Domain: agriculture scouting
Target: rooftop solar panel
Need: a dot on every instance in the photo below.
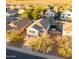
(45, 23)
(38, 27)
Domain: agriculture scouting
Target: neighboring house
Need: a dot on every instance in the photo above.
(10, 19)
(50, 14)
(37, 28)
(67, 29)
(19, 24)
(12, 11)
(66, 15)
(55, 29)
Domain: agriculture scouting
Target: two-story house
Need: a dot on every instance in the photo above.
(66, 15)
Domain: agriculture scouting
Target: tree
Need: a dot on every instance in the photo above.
(64, 47)
(27, 14)
(30, 13)
(36, 13)
(51, 6)
(41, 44)
(43, 8)
(14, 37)
(24, 14)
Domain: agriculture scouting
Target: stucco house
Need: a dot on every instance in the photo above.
(37, 28)
(66, 15)
(50, 14)
(10, 19)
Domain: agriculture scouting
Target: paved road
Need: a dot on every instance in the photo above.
(18, 55)
(26, 53)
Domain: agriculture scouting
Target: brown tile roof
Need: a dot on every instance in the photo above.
(21, 23)
(37, 23)
(8, 27)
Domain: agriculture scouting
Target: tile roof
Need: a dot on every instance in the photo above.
(21, 23)
(38, 22)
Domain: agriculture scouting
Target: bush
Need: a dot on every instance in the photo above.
(41, 44)
(14, 37)
(36, 12)
(64, 47)
(27, 14)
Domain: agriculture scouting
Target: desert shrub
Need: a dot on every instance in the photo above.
(14, 37)
(64, 47)
(27, 14)
(41, 44)
(36, 12)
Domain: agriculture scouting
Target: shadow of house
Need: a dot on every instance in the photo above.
(55, 29)
(61, 27)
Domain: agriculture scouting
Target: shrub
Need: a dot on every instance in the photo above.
(14, 37)
(64, 46)
(36, 13)
(41, 44)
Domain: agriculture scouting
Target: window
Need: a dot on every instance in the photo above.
(51, 14)
(68, 14)
(62, 16)
(31, 31)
